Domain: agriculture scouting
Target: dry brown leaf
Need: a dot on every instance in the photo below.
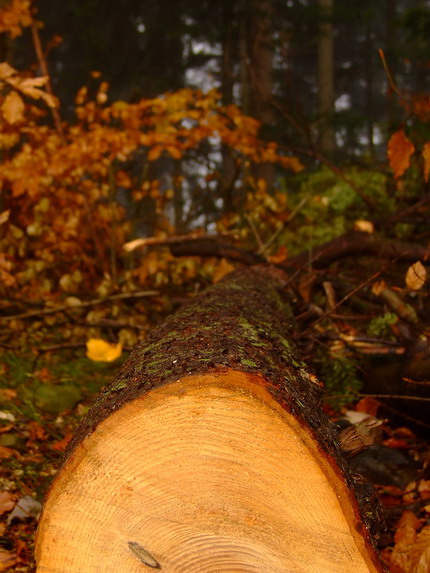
(7, 560)
(7, 394)
(426, 157)
(6, 453)
(378, 287)
(420, 552)
(37, 432)
(400, 149)
(13, 108)
(402, 558)
(7, 501)
(415, 276)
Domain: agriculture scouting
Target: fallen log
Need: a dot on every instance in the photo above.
(210, 452)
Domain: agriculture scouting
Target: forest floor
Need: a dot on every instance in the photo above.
(36, 425)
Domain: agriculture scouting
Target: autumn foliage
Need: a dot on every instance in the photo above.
(65, 188)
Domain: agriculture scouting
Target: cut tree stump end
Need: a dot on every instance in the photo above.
(207, 474)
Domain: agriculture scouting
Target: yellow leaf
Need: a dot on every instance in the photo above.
(400, 149)
(101, 351)
(364, 226)
(31, 88)
(415, 276)
(426, 157)
(6, 71)
(13, 108)
(4, 216)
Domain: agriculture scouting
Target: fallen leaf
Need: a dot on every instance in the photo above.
(364, 226)
(426, 157)
(396, 444)
(7, 394)
(420, 552)
(7, 560)
(415, 276)
(368, 406)
(61, 445)
(101, 351)
(37, 432)
(280, 256)
(7, 501)
(6, 453)
(407, 529)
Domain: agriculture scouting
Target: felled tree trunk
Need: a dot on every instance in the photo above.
(210, 453)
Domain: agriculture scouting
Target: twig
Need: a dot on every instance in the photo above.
(283, 226)
(395, 397)
(84, 304)
(389, 76)
(171, 240)
(345, 298)
(44, 69)
(256, 234)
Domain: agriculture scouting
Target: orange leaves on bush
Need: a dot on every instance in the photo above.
(400, 149)
(63, 191)
(31, 88)
(13, 108)
(14, 17)
(426, 157)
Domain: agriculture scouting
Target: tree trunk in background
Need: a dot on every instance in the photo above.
(327, 139)
(162, 62)
(230, 49)
(390, 50)
(369, 79)
(260, 53)
(210, 452)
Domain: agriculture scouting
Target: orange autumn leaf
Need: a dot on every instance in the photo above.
(61, 445)
(37, 432)
(6, 453)
(155, 153)
(400, 149)
(13, 108)
(174, 152)
(426, 157)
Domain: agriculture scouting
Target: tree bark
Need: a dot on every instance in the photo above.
(326, 77)
(210, 452)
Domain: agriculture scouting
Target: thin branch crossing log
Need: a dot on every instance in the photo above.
(210, 453)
